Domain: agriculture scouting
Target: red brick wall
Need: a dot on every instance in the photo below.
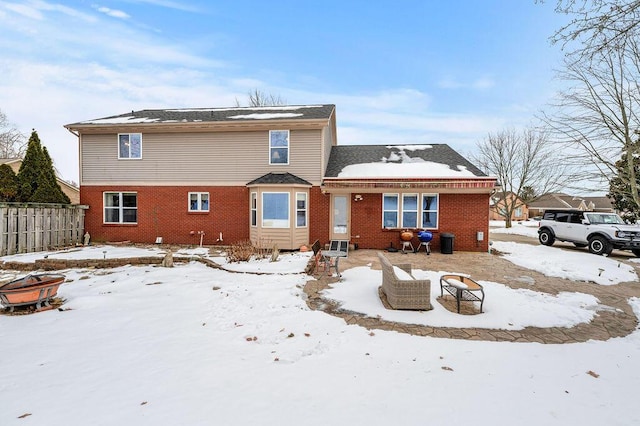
(460, 214)
(162, 212)
(464, 215)
(319, 205)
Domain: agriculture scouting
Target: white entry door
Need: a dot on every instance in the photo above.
(340, 217)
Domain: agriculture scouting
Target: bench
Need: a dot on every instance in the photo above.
(401, 289)
(462, 288)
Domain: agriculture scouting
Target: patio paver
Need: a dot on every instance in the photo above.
(618, 321)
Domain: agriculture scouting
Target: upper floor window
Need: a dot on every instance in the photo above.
(129, 145)
(198, 201)
(120, 207)
(278, 147)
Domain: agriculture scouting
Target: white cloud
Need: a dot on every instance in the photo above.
(71, 76)
(171, 5)
(481, 83)
(114, 13)
(24, 10)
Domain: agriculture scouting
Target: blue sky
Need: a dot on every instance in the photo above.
(398, 71)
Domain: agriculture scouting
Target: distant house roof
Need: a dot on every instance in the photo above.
(399, 161)
(208, 115)
(278, 178)
(564, 201)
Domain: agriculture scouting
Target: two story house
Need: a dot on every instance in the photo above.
(272, 175)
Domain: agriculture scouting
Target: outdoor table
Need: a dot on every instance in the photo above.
(331, 259)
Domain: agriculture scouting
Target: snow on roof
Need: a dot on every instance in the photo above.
(122, 120)
(400, 165)
(266, 116)
(410, 147)
(262, 108)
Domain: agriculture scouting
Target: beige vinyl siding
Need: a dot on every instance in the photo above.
(284, 239)
(187, 158)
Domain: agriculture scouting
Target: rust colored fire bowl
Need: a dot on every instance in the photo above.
(32, 289)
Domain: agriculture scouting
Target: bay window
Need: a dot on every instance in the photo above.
(301, 209)
(275, 209)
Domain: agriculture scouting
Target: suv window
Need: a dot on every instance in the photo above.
(608, 218)
(576, 218)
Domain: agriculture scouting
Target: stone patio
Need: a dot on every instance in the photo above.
(617, 322)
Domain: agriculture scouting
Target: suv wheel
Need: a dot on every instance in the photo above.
(600, 246)
(546, 237)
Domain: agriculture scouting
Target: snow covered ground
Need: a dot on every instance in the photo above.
(192, 345)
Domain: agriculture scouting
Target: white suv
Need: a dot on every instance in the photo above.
(601, 232)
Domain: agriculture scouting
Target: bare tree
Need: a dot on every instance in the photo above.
(597, 117)
(12, 143)
(597, 25)
(258, 98)
(523, 162)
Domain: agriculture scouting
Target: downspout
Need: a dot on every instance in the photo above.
(79, 154)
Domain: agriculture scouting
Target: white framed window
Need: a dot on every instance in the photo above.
(198, 201)
(409, 210)
(275, 210)
(390, 210)
(120, 207)
(278, 147)
(129, 146)
(301, 209)
(518, 212)
(412, 211)
(254, 209)
(429, 209)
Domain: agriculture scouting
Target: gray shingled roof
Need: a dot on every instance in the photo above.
(345, 155)
(279, 178)
(561, 200)
(190, 115)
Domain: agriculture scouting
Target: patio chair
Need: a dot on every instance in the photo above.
(331, 257)
(317, 256)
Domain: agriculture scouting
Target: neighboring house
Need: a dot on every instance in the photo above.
(72, 191)
(560, 200)
(272, 175)
(497, 207)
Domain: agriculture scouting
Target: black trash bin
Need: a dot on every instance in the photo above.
(446, 243)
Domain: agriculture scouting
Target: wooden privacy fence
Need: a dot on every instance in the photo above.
(33, 227)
